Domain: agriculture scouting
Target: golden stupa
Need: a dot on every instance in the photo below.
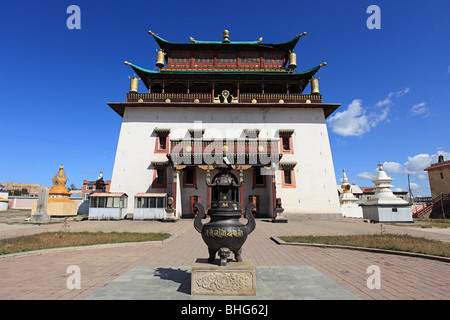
(59, 204)
(58, 192)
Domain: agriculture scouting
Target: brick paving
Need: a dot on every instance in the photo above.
(44, 275)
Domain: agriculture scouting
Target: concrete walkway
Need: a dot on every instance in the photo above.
(45, 275)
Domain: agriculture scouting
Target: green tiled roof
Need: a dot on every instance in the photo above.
(236, 45)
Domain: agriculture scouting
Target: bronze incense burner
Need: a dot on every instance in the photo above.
(224, 233)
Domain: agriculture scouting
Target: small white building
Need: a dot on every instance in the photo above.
(384, 206)
(150, 206)
(108, 206)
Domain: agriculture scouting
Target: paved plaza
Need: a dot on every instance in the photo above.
(161, 270)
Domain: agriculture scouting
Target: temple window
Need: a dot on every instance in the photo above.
(159, 178)
(259, 180)
(162, 140)
(226, 59)
(250, 60)
(203, 59)
(286, 141)
(190, 180)
(288, 180)
(273, 60)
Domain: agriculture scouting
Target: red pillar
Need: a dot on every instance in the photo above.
(175, 191)
(241, 189)
(274, 195)
(208, 190)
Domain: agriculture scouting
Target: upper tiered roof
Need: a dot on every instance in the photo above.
(226, 44)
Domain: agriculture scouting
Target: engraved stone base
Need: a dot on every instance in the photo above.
(234, 279)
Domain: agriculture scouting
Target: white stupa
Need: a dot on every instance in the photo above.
(384, 205)
(349, 205)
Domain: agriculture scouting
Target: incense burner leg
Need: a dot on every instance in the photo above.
(237, 254)
(212, 255)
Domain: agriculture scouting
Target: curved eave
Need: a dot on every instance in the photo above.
(225, 45)
(148, 75)
(145, 72)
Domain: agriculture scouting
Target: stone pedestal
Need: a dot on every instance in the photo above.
(279, 218)
(234, 279)
(169, 216)
(41, 215)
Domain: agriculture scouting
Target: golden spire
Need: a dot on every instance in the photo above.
(59, 182)
(226, 35)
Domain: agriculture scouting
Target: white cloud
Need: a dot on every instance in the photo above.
(422, 177)
(402, 92)
(355, 121)
(392, 167)
(397, 189)
(415, 188)
(417, 163)
(420, 109)
(366, 175)
(350, 122)
(386, 101)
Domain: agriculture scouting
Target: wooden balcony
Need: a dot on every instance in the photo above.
(276, 97)
(207, 97)
(232, 146)
(238, 151)
(173, 97)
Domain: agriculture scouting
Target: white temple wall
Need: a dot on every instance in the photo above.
(315, 191)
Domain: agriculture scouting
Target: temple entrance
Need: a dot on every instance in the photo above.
(258, 189)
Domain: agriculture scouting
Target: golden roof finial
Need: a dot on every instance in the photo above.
(259, 40)
(226, 35)
(380, 165)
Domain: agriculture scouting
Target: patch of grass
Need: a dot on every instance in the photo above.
(397, 242)
(48, 240)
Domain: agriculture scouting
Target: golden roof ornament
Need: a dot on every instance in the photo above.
(292, 60)
(226, 35)
(134, 84)
(160, 58)
(315, 86)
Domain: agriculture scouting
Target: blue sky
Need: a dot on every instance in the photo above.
(393, 82)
